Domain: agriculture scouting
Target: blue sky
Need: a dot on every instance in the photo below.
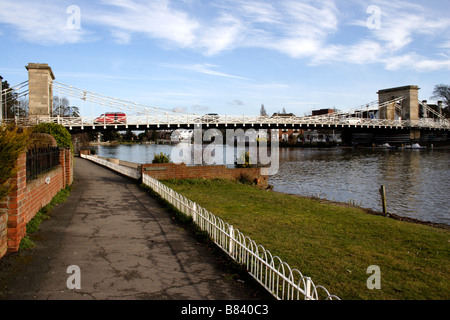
(231, 56)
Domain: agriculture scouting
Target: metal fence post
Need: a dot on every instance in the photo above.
(194, 212)
(231, 244)
(308, 289)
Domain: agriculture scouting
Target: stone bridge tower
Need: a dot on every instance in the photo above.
(40, 84)
(409, 106)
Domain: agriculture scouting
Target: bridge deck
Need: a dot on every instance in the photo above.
(191, 122)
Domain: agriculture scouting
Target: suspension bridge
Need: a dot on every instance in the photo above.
(401, 110)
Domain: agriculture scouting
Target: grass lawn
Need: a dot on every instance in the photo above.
(333, 244)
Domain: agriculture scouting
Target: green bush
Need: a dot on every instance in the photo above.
(58, 131)
(13, 142)
(161, 158)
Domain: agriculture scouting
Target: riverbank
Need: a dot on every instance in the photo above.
(373, 212)
(334, 244)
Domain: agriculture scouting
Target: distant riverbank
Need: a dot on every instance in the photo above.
(116, 143)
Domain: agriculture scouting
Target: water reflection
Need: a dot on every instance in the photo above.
(417, 181)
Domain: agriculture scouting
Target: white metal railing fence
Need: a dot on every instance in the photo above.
(276, 276)
(177, 121)
(271, 272)
(127, 171)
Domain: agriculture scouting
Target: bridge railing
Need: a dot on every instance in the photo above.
(174, 121)
(226, 120)
(276, 276)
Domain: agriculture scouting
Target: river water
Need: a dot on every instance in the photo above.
(417, 181)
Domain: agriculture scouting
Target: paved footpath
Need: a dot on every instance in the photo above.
(125, 244)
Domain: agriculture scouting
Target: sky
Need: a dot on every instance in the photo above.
(231, 56)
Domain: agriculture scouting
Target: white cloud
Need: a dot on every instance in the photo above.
(294, 28)
(445, 45)
(155, 19)
(203, 68)
(42, 23)
(121, 37)
(400, 26)
(306, 19)
(414, 61)
(363, 52)
(402, 22)
(225, 34)
(260, 12)
(302, 29)
(406, 28)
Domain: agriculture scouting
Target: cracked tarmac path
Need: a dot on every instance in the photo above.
(126, 246)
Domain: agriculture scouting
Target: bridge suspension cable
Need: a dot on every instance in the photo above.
(111, 101)
(432, 111)
(16, 92)
(371, 106)
(13, 94)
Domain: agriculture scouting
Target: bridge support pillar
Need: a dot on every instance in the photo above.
(40, 84)
(414, 135)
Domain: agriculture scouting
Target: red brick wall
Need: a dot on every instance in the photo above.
(26, 199)
(165, 171)
(3, 229)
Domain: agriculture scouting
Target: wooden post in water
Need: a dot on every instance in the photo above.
(383, 199)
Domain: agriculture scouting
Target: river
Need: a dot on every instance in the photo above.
(417, 181)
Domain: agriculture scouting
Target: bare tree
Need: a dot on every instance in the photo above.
(9, 101)
(61, 107)
(442, 92)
